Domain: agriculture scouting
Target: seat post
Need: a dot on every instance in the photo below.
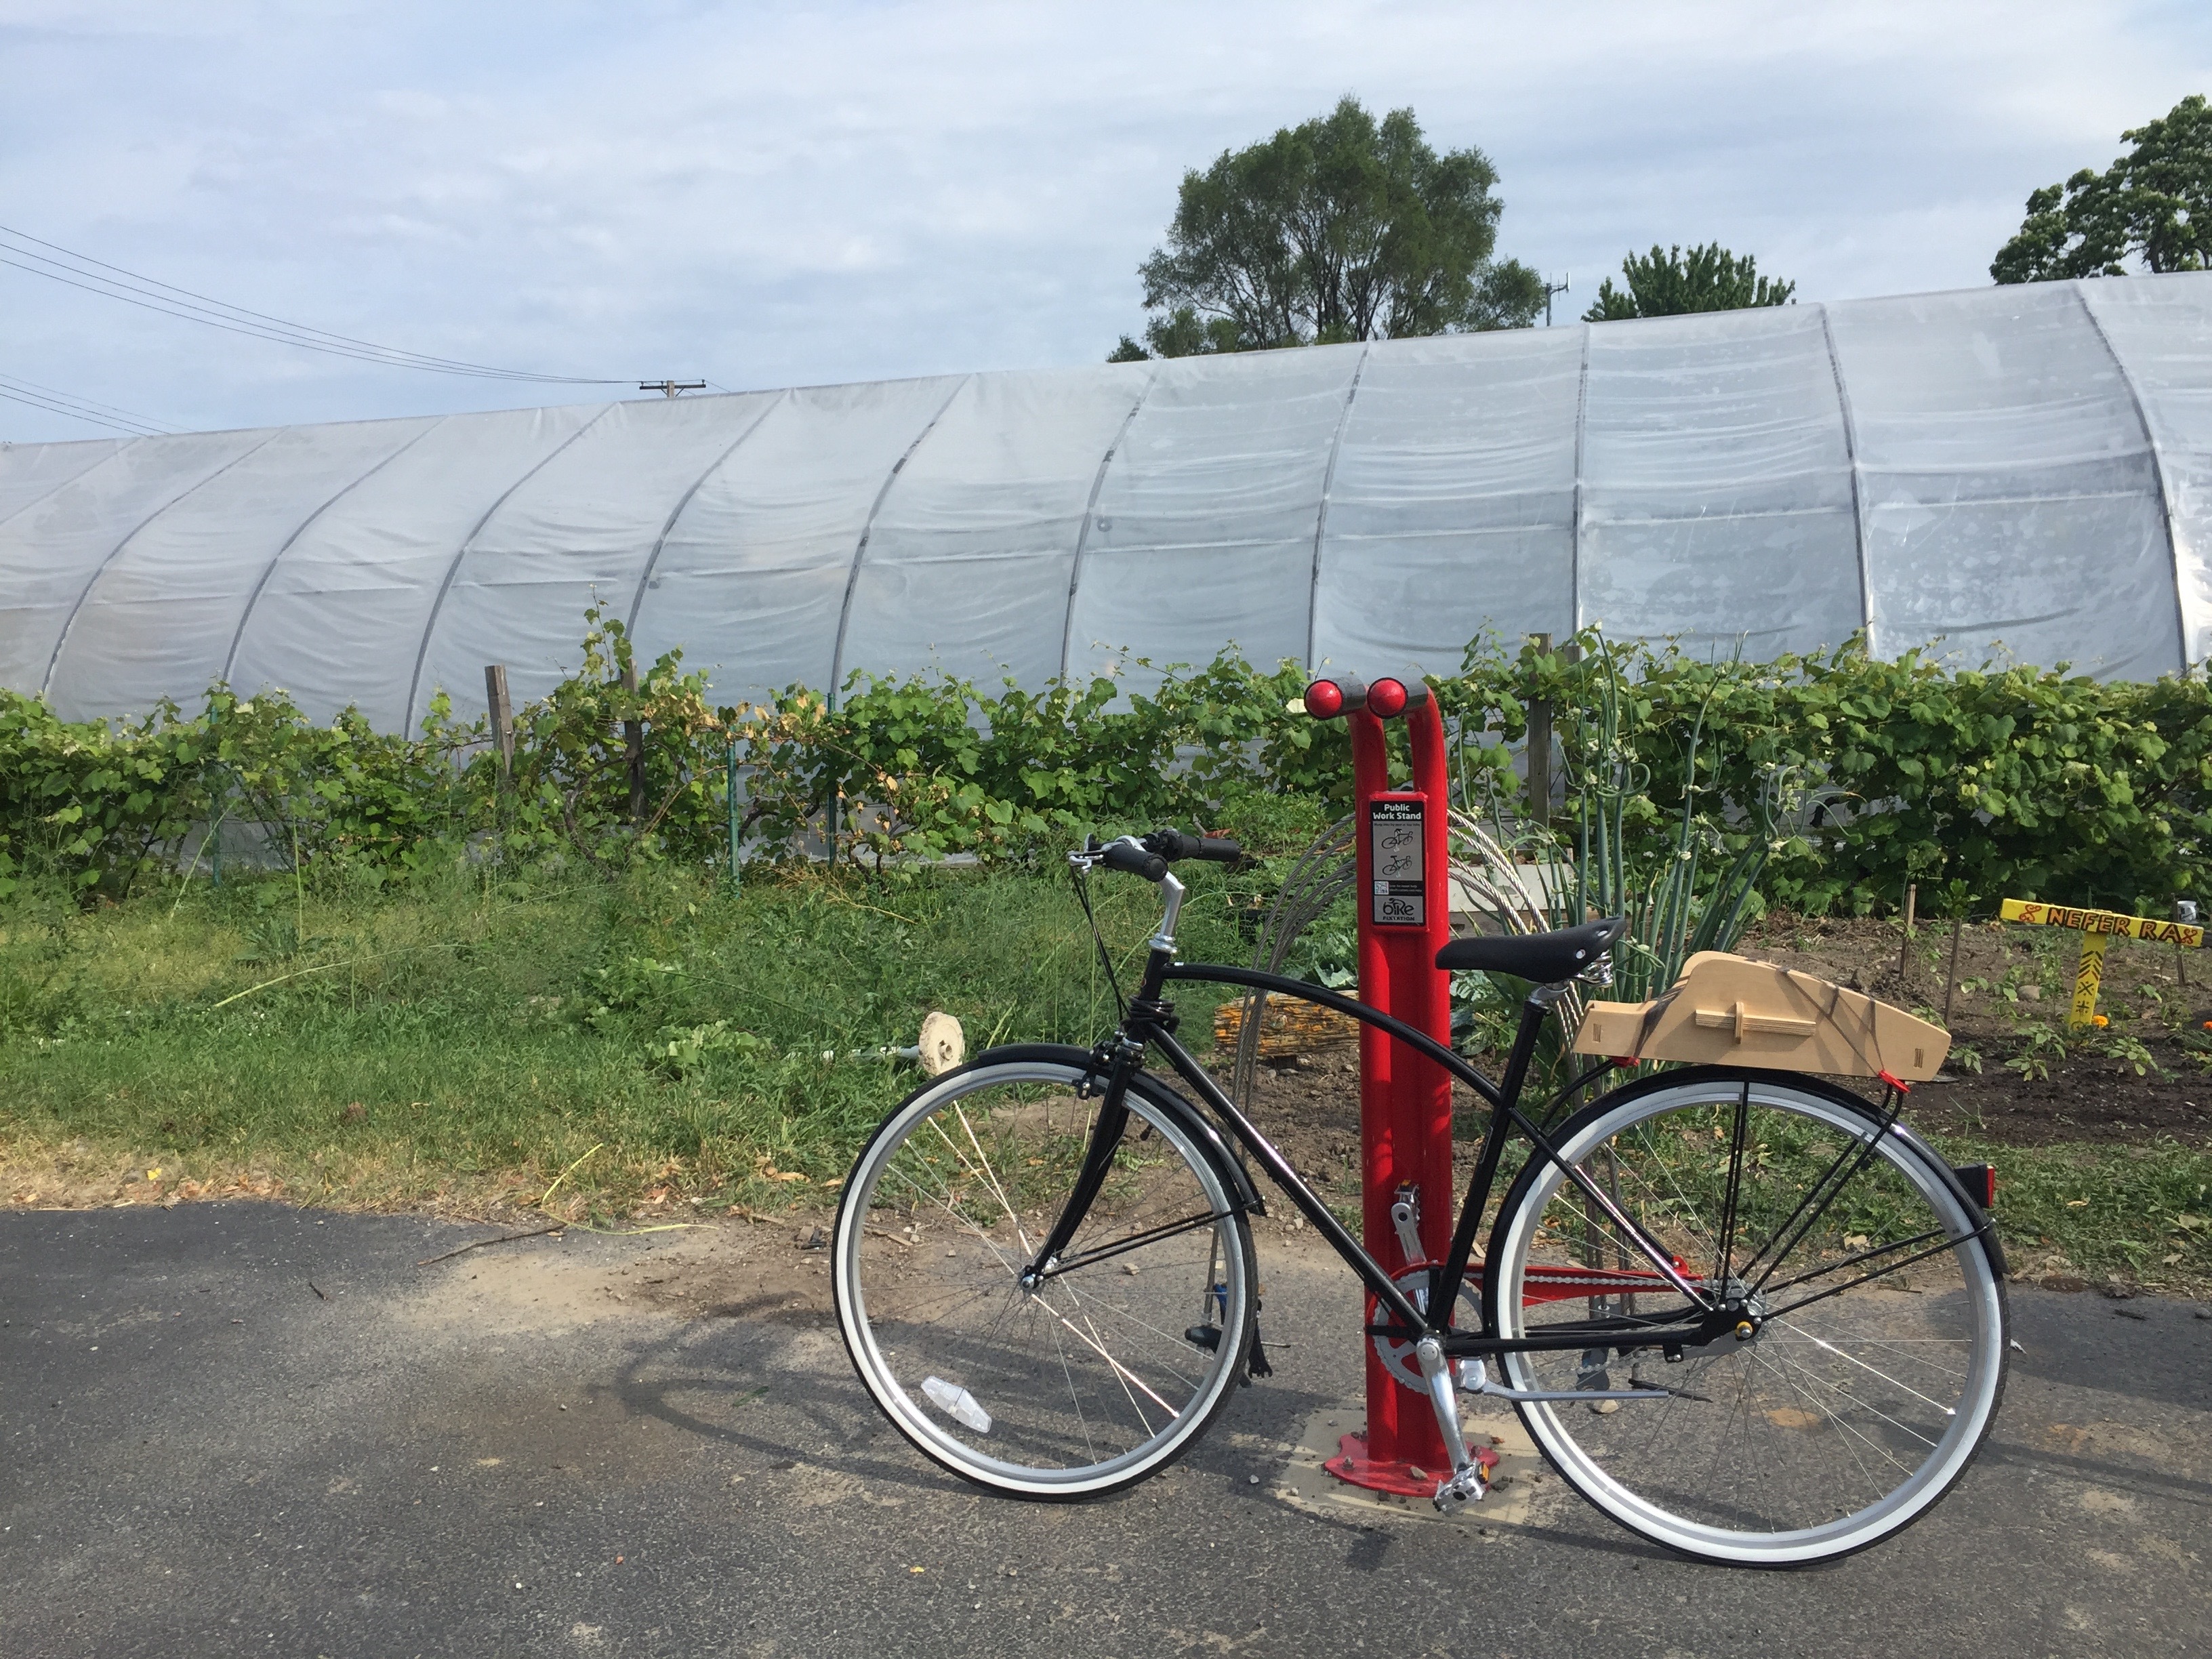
(1533, 1013)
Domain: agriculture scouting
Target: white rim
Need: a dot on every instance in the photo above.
(875, 1371)
(1926, 1484)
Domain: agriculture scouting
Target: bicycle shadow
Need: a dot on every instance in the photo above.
(759, 1376)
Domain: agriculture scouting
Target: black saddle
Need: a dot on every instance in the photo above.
(1544, 958)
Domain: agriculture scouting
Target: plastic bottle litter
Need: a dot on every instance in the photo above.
(957, 1402)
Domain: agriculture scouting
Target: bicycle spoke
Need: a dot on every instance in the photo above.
(1074, 1398)
(1742, 1123)
(989, 1243)
(991, 1176)
(1846, 1432)
(1837, 1388)
(1098, 1347)
(1830, 1347)
(1943, 1248)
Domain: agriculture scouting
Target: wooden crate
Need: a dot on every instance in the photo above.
(1287, 1027)
(1726, 1011)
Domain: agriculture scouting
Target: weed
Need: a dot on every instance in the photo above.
(2042, 1048)
(2129, 1051)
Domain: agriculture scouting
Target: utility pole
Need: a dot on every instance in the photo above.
(1551, 289)
(670, 388)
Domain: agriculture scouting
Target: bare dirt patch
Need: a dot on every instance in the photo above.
(729, 1268)
(2015, 985)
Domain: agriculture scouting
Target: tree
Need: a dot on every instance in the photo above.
(1342, 227)
(2154, 203)
(1182, 333)
(1666, 282)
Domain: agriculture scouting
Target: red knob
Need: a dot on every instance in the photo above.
(1386, 698)
(1324, 700)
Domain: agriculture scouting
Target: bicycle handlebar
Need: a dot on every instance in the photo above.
(1149, 856)
(1173, 844)
(1134, 860)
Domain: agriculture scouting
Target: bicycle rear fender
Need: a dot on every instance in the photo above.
(1155, 1091)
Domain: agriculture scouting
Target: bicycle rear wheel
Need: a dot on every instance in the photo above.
(1110, 1368)
(1878, 1357)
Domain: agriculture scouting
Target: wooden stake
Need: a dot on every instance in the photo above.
(634, 746)
(1904, 945)
(502, 716)
(1540, 749)
(1951, 979)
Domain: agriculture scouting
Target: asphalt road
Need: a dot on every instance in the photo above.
(245, 1430)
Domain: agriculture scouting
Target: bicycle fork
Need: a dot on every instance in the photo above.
(1106, 1131)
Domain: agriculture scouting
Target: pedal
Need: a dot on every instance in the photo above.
(1468, 1486)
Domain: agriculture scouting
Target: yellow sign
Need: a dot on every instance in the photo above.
(2097, 928)
(2088, 976)
(2103, 922)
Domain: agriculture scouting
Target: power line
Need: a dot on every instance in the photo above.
(90, 405)
(74, 414)
(388, 358)
(152, 294)
(53, 407)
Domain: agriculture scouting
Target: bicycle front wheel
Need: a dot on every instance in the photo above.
(1109, 1367)
(1879, 1351)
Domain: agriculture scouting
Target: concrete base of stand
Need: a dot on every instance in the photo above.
(1354, 1467)
(1518, 1480)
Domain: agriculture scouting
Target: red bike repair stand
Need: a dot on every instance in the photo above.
(1405, 1100)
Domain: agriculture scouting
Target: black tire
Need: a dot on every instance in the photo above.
(1110, 1369)
(1879, 1359)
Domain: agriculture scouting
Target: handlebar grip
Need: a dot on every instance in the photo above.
(1173, 844)
(1135, 860)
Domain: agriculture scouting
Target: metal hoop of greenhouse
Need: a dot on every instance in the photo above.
(2023, 471)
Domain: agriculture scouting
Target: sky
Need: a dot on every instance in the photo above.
(763, 195)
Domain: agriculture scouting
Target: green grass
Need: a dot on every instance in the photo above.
(460, 1042)
(2140, 1213)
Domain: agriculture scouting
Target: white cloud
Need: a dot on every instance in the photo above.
(765, 194)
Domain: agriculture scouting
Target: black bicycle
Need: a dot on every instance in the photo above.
(1746, 1313)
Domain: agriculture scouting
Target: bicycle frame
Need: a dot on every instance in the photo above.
(1150, 1023)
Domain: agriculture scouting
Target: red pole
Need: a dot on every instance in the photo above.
(1405, 918)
